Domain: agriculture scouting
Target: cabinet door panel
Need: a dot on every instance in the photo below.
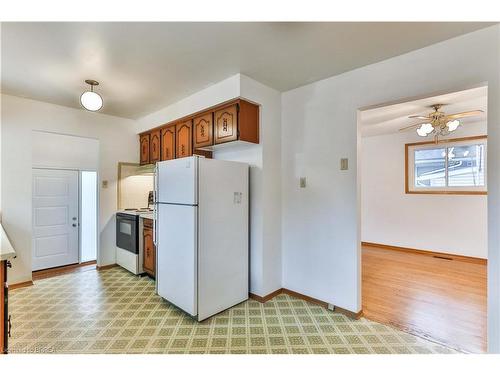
(149, 251)
(144, 152)
(2, 311)
(226, 124)
(168, 143)
(154, 146)
(184, 138)
(203, 130)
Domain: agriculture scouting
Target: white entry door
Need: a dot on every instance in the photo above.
(55, 218)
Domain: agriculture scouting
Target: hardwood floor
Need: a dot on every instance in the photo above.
(442, 300)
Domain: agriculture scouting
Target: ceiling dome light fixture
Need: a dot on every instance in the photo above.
(91, 100)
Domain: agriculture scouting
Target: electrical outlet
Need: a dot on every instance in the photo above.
(302, 182)
(344, 164)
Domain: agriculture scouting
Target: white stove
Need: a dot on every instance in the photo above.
(129, 246)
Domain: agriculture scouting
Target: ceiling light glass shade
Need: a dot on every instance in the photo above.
(452, 125)
(425, 129)
(428, 128)
(421, 132)
(91, 101)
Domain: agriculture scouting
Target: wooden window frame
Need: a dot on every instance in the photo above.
(445, 190)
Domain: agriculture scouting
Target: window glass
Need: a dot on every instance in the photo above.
(453, 166)
(466, 165)
(430, 167)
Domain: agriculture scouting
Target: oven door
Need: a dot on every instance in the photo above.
(127, 232)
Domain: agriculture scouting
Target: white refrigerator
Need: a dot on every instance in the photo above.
(201, 234)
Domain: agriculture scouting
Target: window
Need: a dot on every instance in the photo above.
(88, 214)
(456, 166)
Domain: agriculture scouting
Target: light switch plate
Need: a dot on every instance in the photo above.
(104, 184)
(237, 197)
(302, 182)
(344, 164)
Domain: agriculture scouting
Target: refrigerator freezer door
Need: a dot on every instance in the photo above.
(177, 181)
(177, 255)
(223, 236)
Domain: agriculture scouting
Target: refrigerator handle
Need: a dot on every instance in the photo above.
(155, 190)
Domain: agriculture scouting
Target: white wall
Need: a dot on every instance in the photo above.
(52, 150)
(264, 161)
(265, 188)
(321, 255)
(117, 140)
(455, 224)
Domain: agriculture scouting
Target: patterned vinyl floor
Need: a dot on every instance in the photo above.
(113, 311)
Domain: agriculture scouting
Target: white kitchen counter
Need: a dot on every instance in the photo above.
(6, 249)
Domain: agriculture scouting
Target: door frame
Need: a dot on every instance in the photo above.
(98, 204)
(359, 185)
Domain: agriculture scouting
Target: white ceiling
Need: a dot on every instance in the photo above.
(391, 118)
(143, 67)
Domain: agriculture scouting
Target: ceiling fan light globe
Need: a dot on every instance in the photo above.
(91, 101)
(428, 128)
(453, 125)
(422, 132)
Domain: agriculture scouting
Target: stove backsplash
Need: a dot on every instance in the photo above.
(134, 192)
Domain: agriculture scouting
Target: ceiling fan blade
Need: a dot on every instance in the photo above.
(464, 114)
(420, 117)
(411, 126)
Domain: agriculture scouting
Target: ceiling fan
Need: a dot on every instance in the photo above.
(438, 123)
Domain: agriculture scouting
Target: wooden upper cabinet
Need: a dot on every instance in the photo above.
(203, 130)
(144, 142)
(248, 122)
(238, 121)
(154, 146)
(226, 124)
(184, 139)
(168, 143)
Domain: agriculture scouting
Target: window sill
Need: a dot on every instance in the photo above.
(451, 192)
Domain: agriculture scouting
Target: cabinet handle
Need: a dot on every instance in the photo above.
(10, 325)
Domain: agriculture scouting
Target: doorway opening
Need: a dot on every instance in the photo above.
(423, 206)
(65, 209)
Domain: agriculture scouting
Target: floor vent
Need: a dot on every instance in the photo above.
(440, 257)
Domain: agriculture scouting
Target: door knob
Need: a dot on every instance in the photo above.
(74, 225)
